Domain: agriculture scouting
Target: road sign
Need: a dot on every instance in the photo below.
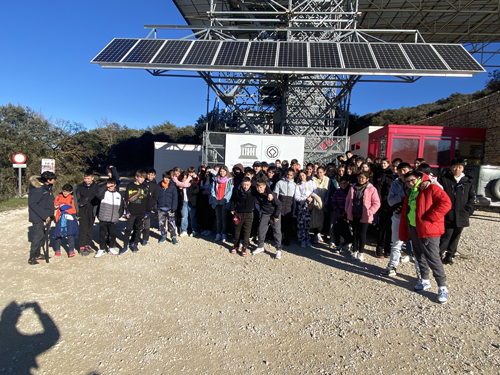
(48, 165)
(19, 158)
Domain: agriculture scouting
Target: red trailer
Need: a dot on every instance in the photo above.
(436, 144)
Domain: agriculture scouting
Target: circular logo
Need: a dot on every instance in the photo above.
(19, 158)
(272, 151)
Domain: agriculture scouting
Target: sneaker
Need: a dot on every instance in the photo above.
(422, 285)
(83, 251)
(174, 241)
(234, 250)
(389, 271)
(336, 249)
(240, 247)
(244, 252)
(206, 232)
(404, 259)
(123, 251)
(193, 234)
(144, 243)
(285, 241)
(346, 246)
(89, 249)
(255, 239)
(162, 239)
(183, 234)
(258, 250)
(302, 243)
(361, 257)
(278, 254)
(448, 259)
(442, 297)
(218, 237)
(32, 261)
(134, 248)
(99, 253)
(354, 255)
(71, 254)
(58, 253)
(224, 238)
(112, 251)
(320, 238)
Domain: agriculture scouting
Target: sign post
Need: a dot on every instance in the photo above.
(19, 163)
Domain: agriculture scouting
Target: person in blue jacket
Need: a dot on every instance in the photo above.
(167, 205)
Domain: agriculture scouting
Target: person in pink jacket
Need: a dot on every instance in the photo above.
(361, 203)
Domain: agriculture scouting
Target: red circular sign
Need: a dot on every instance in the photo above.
(19, 158)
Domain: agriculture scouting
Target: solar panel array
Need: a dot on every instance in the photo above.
(272, 56)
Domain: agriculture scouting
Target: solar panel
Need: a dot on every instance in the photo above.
(357, 56)
(457, 57)
(293, 54)
(423, 57)
(202, 52)
(232, 53)
(390, 56)
(324, 55)
(115, 50)
(144, 51)
(173, 52)
(262, 54)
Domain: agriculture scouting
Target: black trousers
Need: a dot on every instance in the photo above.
(287, 227)
(146, 229)
(342, 229)
(449, 241)
(384, 233)
(37, 240)
(359, 230)
(134, 223)
(107, 231)
(242, 230)
(86, 222)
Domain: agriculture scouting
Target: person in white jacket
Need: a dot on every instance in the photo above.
(303, 192)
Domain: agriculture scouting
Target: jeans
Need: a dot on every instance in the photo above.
(184, 217)
(71, 243)
(192, 217)
(397, 245)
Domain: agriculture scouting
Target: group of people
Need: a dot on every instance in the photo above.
(333, 204)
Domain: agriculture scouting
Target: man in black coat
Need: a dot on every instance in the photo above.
(86, 202)
(40, 210)
(460, 189)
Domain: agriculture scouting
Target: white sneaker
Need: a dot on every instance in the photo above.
(218, 237)
(278, 254)
(346, 246)
(361, 257)
(258, 250)
(320, 238)
(99, 253)
(332, 245)
(404, 259)
(113, 251)
(183, 234)
(354, 255)
(193, 234)
(240, 246)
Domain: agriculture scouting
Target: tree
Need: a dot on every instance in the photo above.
(493, 84)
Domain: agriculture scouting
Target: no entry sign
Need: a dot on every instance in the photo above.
(19, 158)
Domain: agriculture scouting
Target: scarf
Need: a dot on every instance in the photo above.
(221, 180)
(165, 184)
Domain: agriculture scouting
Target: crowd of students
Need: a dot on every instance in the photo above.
(333, 204)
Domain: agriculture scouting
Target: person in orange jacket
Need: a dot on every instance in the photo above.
(422, 221)
(66, 222)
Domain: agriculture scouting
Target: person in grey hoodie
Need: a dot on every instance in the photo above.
(285, 191)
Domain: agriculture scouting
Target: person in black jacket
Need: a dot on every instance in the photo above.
(86, 208)
(153, 194)
(167, 205)
(460, 189)
(139, 207)
(113, 173)
(40, 210)
(383, 182)
(243, 203)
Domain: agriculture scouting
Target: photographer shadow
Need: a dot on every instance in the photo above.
(18, 351)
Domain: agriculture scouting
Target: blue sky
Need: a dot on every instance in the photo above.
(45, 65)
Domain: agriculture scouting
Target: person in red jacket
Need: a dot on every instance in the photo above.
(422, 221)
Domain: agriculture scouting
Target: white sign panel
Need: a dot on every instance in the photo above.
(48, 165)
(248, 148)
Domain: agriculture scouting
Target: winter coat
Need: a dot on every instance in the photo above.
(66, 205)
(112, 205)
(285, 191)
(191, 193)
(227, 194)
(432, 204)
(85, 198)
(266, 206)
(383, 183)
(371, 203)
(317, 215)
(66, 221)
(40, 201)
(137, 199)
(338, 202)
(462, 196)
(304, 190)
(167, 198)
(396, 196)
(243, 202)
(323, 191)
(153, 192)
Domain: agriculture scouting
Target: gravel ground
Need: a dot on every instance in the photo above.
(196, 308)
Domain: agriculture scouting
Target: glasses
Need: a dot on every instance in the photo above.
(413, 180)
